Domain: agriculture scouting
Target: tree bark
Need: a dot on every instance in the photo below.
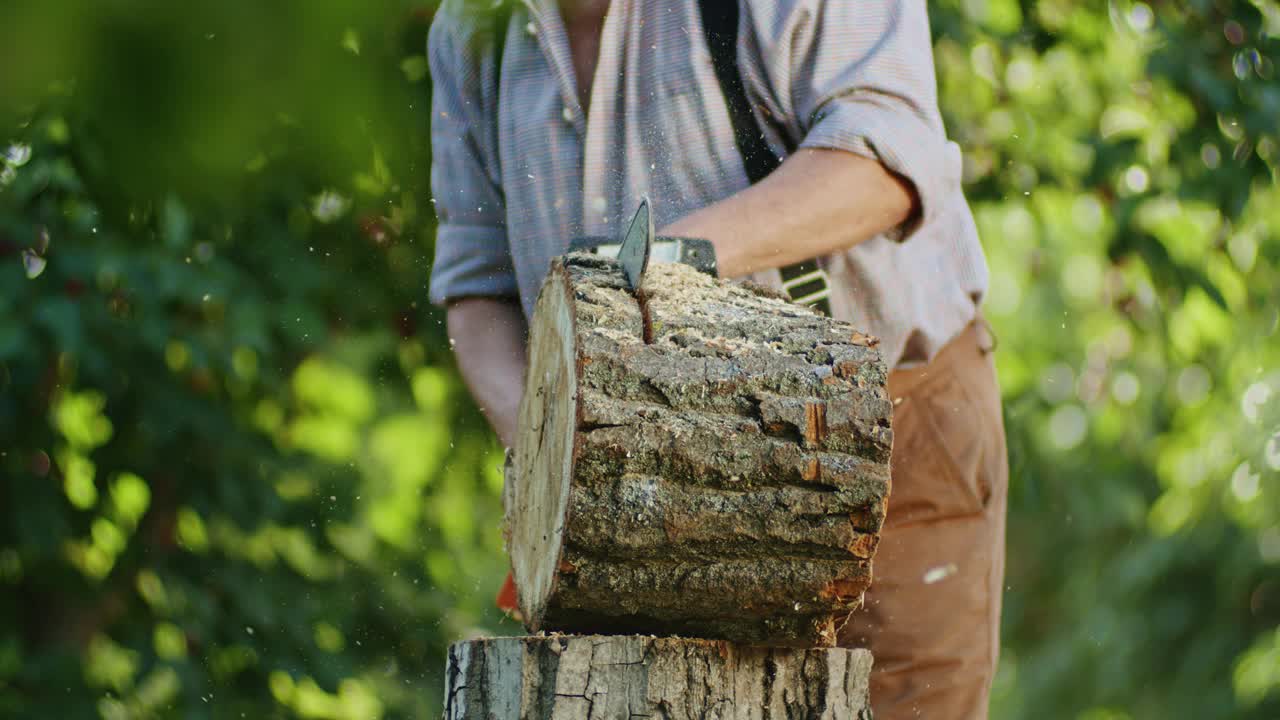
(702, 459)
(627, 677)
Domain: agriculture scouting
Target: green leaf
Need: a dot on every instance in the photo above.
(414, 68)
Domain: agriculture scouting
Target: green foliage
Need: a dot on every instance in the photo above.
(1122, 165)
(239, 474)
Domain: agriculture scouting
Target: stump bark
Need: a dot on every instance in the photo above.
(701, 459)
(626, 677)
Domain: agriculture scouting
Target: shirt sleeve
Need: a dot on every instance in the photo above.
(472, 255)
(858, 76)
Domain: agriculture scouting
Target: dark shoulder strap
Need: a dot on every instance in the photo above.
(806, 282)
(720, 24)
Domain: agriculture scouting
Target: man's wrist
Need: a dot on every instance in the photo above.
(702, 243)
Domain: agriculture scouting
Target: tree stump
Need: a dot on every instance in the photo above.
(630, 676)
(702, 459)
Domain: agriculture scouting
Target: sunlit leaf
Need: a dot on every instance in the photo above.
(329, 387)
(191, 531)
(109, 665)
(414, 68)
(1257, 673)
(169, 641)
(79, 417)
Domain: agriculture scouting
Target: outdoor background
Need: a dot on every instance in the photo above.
(239, 475)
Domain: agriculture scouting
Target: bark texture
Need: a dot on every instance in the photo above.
(628, 677)
(705, 459)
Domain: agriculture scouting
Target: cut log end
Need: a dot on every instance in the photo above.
(544, 450)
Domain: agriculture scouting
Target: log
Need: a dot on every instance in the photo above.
(628, 676)
(704, 459)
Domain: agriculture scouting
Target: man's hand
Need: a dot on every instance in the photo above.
(488, 337)
(816, 203)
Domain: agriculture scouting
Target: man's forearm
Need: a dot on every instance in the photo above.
(816, 203)
(488, 337)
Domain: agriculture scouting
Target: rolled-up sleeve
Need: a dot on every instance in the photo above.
(472, 255)
(859, 76)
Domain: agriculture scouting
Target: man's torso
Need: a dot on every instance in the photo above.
(658, 125)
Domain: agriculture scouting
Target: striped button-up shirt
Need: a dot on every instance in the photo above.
(520, 168)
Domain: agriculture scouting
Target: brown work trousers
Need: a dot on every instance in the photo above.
(932, 614)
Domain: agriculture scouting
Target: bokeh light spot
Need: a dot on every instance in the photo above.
(1057, 384)
(1136, 179)
(1210, 155)
(1255, 396)
(1068, 426)
(1245, 483)
(1140, 17)
(1193, 384)
(328, 206)
(17, 154)
(32, 264)
(1233, 31)
(1125, 387)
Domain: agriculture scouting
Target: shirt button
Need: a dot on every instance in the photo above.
(598, 203)
(530, 29)
(567, 114)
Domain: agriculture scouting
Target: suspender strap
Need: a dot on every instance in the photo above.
(805, 282)
(720, 23)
